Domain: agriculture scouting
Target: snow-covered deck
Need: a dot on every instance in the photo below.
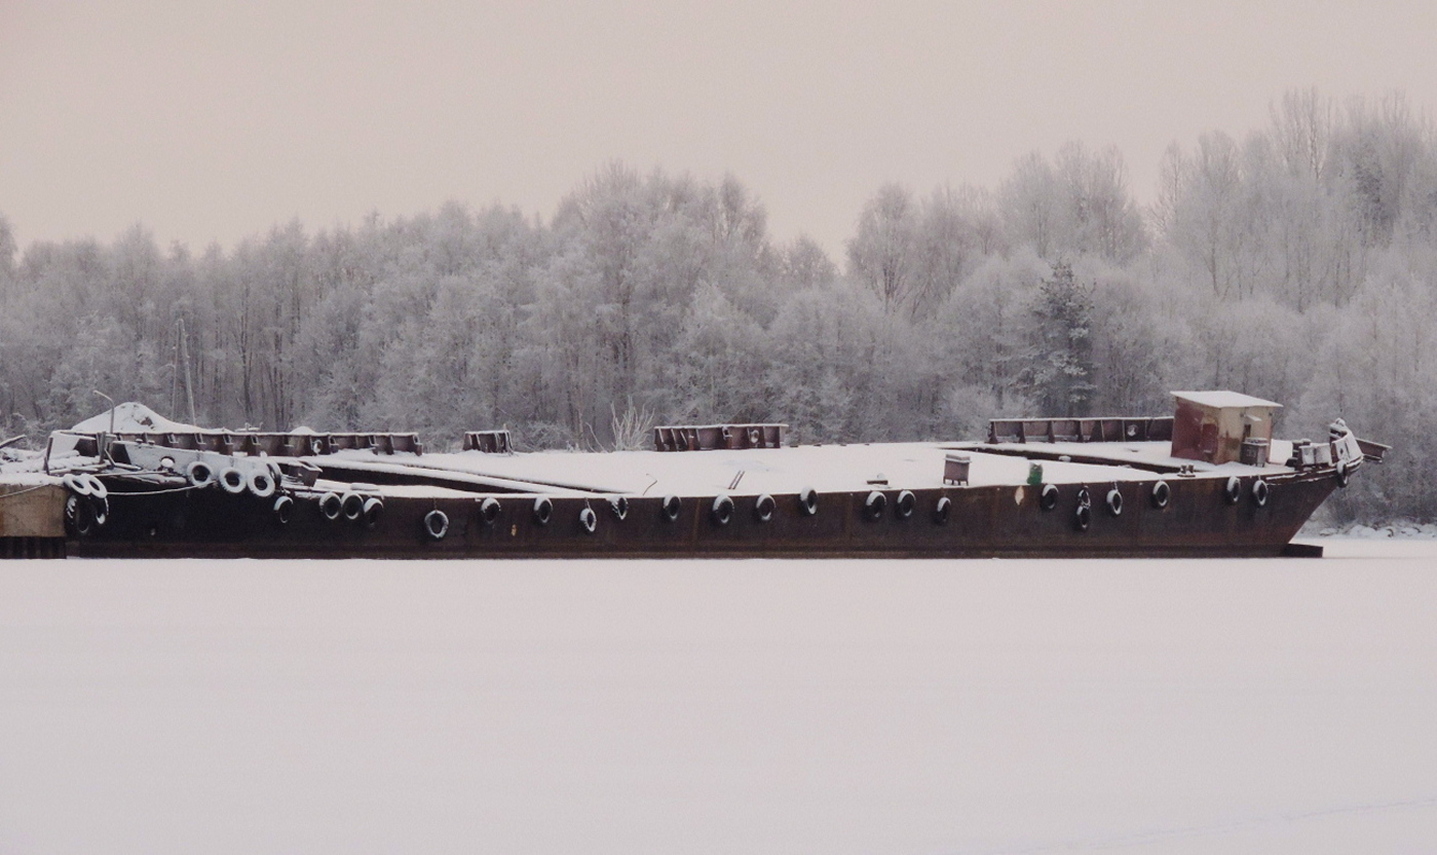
(826, 468)
(749, 472)
(1155, 455)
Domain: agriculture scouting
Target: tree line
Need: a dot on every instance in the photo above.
(1297, 263)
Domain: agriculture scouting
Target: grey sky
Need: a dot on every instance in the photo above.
(215, 121)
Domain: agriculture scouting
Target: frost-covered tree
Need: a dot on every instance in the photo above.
(802, 264)
(1031, 205)
(947, 243)
(882, 255)
(719, 378)
(1099, 216)
(1079, 205)
(1057, 372)
(981, 330)
(1209, 224)
(8, 248)
(1375, 368)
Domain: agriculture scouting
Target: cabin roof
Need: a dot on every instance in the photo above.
(1224, 399)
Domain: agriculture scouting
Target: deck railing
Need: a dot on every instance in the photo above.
(1122, 429)
(709, 437)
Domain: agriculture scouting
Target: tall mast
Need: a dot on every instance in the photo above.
(189, 386)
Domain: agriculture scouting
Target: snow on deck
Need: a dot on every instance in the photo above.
(135, 418)
(826, 468)
(1145, 454)
(748, 472)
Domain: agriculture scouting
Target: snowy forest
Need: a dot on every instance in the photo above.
(1297, 263)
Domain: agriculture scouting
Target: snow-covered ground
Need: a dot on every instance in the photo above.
(1247, 706)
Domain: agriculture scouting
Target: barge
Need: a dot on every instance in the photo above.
(1209, 480)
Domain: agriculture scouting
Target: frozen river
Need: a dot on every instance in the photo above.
(1284, 706)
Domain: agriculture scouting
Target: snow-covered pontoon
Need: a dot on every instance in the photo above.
(1208, 481)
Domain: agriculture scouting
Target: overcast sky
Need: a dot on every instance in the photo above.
(213, 121)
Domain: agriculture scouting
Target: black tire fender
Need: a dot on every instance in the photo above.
(200, 474)
(620, 506)
(942, 510)
(671, 507)
(97, 487)
(372, 511)
(233, 481)
(543, 510)
(722, 510)
(874, 504)
(352, 505)
(76, 483)
(489, 510)
(763, 508)
(100, 505)
(1162, 495)
(80, 516)
(261, 483)
(1232, 491)
(283, 510)
(436, 524)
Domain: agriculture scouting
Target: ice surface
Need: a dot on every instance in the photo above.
(1248, 706)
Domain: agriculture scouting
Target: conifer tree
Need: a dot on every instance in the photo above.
(1059, 370)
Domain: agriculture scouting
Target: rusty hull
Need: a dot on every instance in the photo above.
(986, 521)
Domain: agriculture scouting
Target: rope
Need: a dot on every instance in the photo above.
(26, 490)
(186, 488)
(159, 492)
